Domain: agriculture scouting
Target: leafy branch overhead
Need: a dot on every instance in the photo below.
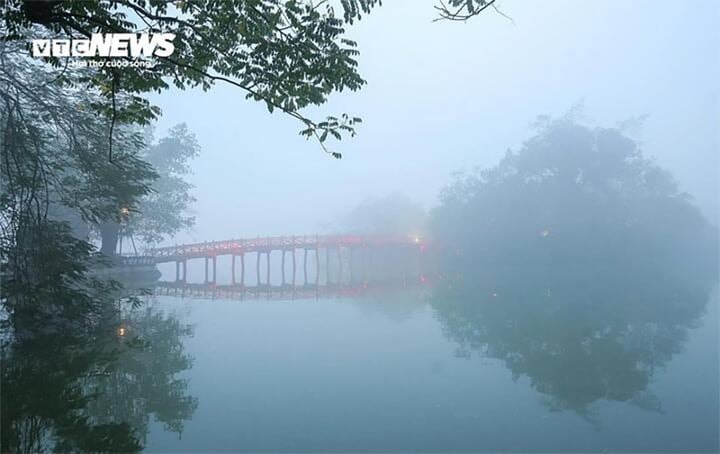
(333, 127)
(287, 54)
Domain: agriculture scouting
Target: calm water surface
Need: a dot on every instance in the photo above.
(389, 373)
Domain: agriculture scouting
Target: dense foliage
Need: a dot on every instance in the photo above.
(55, 178)
(289, 55)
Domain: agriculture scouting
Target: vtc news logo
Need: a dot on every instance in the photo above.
(121, 45)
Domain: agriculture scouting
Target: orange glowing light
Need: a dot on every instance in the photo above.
(121, 331)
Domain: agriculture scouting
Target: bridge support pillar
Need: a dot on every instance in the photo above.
(317, 265)
(267, 270)
(214, 273)
(232, 270)
(305, 266)
(293, 263)
(207, 261)
(184, 271)
(177, 271)
(282, 267)
(257, 267)
(242, 269)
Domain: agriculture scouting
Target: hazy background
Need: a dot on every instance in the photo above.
(448, 96)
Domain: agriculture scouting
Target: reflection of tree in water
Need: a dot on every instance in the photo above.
(578, 336)
(95, 391)
(143, 380)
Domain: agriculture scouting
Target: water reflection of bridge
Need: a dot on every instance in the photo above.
(286, 292)
(355, 257)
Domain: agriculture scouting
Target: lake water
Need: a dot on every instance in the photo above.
(384, 373)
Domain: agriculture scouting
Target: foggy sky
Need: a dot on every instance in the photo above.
(448, 96)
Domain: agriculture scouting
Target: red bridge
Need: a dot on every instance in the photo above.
(343, 245)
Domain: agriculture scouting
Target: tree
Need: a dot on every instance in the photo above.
(289, 55)
(574, 195)
(54, 147)
(53, 150)
(165, 210)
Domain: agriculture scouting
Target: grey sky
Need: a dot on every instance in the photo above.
(446, 96)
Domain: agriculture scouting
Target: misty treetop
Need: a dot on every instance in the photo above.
(574, 195)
